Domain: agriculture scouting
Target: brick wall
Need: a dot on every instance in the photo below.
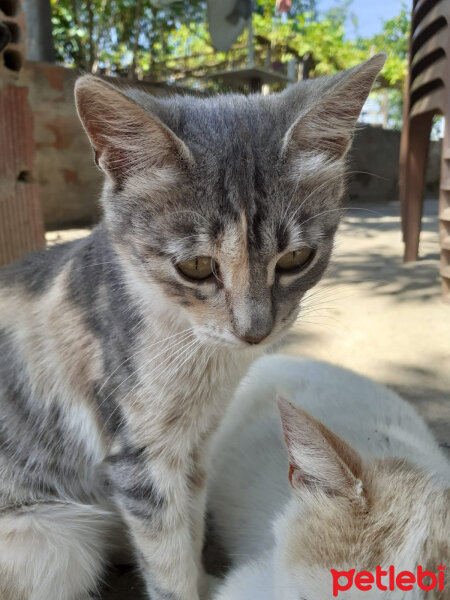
(68, 179)
(70, 183)
(21, 226)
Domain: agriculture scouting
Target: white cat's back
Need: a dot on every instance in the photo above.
(252, 581)
(249, 483)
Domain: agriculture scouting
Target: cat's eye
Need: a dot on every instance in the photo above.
(197, 268)
(294, 260)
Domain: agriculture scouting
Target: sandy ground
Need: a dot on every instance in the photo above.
(372, 314)
(383, 318)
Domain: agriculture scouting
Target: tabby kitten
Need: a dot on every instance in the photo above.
(119, 352)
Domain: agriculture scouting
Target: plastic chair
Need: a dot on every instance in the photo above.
(427, 93)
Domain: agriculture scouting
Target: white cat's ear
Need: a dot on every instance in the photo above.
(318, 458)
(328, 126)
(125, 137)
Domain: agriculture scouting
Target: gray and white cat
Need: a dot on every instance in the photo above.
(356, 482)
(119, 352)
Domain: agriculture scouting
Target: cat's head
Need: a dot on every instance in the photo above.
(225, 208)
(348, 515)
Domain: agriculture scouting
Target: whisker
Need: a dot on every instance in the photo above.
(323, 186)
(141, 382)
(145, 365)
(178, 366)
(151, 377)
(145, 383)
(140, 352)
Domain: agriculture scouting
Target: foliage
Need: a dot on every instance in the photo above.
(90, 34)
(393, 39)
(299, 7)
(163, 41)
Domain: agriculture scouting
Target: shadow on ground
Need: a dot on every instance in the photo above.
(374, 259)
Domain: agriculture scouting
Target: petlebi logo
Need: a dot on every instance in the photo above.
(388, 580)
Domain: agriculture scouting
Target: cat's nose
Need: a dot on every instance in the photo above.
(252, 339)
(252, 317)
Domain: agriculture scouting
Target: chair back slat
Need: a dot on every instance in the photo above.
(439, 43)
(437, 70)
(427, 92)
(439, 9)
(433, 101)
(429, 51)
(421, 9)
(429, 28)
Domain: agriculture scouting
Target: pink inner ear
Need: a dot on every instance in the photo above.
(296, 477)
(291, 474)
(125, 137)
(317, 457)
(328, 126)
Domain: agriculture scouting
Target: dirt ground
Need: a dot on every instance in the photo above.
(383, 318)
(372, 314)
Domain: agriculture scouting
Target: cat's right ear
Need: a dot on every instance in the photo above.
(327, 127)
(318, 459)
(125, 137)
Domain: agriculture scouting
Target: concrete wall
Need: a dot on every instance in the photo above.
(70, 183)
(374, 166)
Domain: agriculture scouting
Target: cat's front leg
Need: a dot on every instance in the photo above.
(197, 494)
(153, 496)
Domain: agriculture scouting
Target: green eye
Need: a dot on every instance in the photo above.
(197, 268)
(294, 260)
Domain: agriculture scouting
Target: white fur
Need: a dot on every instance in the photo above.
(66, 549)
(253, 580)
(249, 485)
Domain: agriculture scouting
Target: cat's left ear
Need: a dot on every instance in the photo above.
(328, 126)
(126, 138)
(319, 460)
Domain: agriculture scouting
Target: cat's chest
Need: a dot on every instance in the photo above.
(183, 392)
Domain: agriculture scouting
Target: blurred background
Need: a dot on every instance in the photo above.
(202, 47)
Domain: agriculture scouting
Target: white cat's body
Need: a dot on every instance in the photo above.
(250, 485)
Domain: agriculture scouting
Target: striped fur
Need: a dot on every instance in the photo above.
(114, 369)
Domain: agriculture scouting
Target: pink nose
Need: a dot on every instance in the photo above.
(252, 339)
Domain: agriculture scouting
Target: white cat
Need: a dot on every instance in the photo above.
(379, 498)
